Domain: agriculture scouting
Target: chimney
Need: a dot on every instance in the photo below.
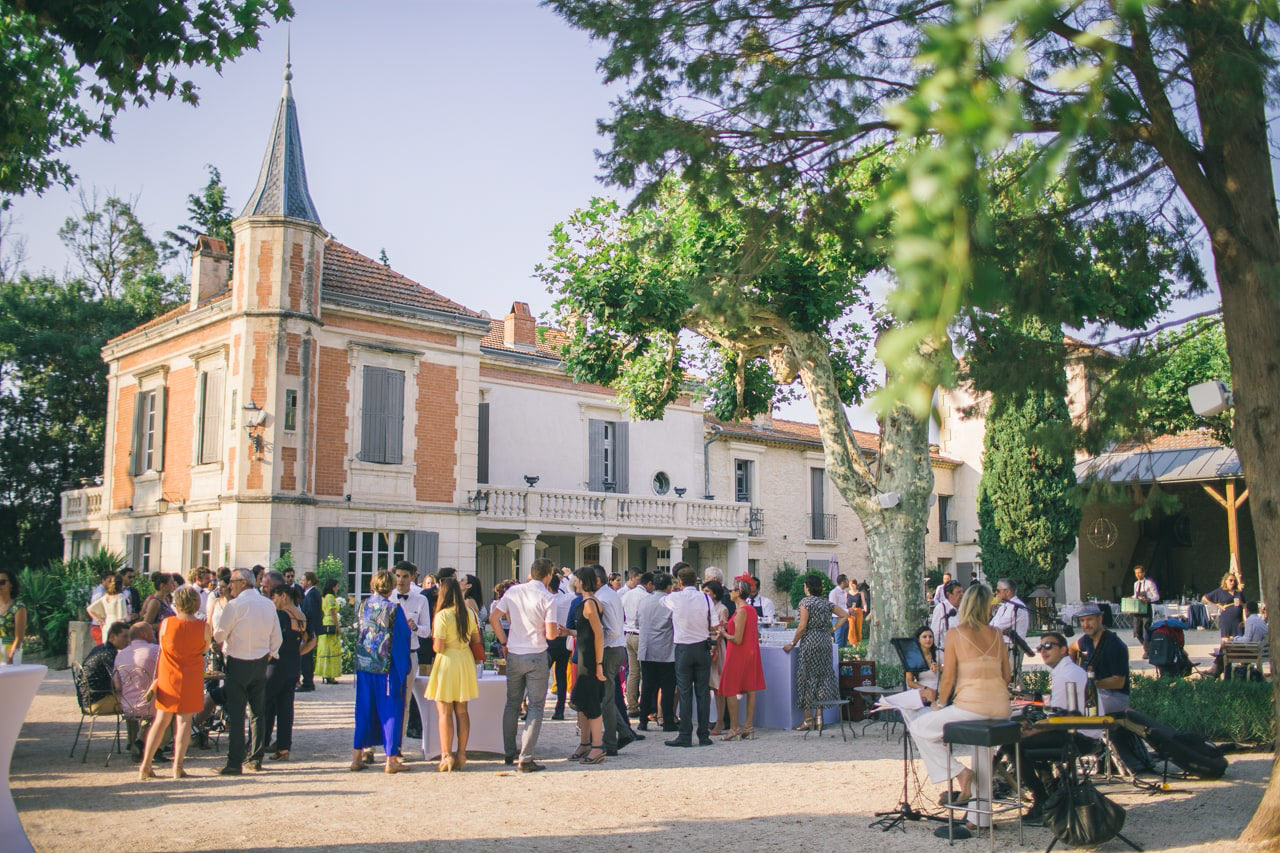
(210, 269)
(519, 329)
(764, 420)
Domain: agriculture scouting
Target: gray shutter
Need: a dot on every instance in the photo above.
(482, 444)
(135, 465)
(621, 457)
(394, 422)
(211, 417)
(372, 435)
(131, 551)
(215, 556)
(189, 544)
(162, 416)
(332, 541)
(155, 553)
(595, 455)
(422, 548)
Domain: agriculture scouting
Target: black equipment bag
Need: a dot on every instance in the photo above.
(1080, 816)
(1191, 754)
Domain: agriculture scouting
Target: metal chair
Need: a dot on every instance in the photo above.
(823, 705)
(86, 710)
(132, 683)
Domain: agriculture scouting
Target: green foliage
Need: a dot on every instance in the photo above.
(1239, 711)
(784, 578)
(331, 567)
(1182, 358)
(1027, 519)
(890, 675)
(209, 215)
(797, 586)
(283, 563)
(858, 652)
(66, 70)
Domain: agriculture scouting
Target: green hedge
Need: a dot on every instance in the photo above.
(1239, 711)
(797, 586)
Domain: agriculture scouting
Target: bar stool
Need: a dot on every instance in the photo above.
(984, 735)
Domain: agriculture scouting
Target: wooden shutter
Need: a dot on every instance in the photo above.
(373, 435)
(621, 457)
(190, 542)
(422, 548)
(155, 553)
(210, 416)
(482, 445)
(215, 558)
(393, 382)
(131, 551)
(162, 426)
(332, 542)
(595, 455)
(139, 420)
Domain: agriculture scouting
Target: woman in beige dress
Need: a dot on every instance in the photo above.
(974, 686)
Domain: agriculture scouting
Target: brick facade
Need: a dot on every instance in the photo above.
(179, 432)
(121, 482)
(331, 421)
(437, 432)
(288, 462)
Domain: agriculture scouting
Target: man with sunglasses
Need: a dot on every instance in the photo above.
(1067, 686)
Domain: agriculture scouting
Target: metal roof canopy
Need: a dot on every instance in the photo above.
(1185, 465)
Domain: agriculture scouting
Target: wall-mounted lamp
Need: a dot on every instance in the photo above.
(532, 479)
(162, 505)
(253, 416)
(680, 490)
(256, 441)
(479, 501)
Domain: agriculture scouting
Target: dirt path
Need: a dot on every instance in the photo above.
(777, 792)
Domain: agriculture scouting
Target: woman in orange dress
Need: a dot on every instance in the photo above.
(179, 684)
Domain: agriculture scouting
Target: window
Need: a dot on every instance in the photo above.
(148, 431)
(209, 406)
(368, 552)
(661, 483)
(290, 410)
(482, 445)
(742, 480)
(139, 550)
(821, 525)
(382, 416)
(199, 548)
(607, 443)
(948, 528)
(204, 549)
(285, 548)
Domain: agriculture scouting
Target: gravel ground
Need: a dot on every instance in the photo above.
(780, 790)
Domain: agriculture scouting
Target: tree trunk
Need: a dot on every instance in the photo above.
(1238, 208)
(895, 535)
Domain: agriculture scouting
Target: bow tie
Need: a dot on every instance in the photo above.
(403, 595)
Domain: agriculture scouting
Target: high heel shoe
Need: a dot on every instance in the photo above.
(581, 752)
(733, 735)
(749, 733)
(599, 759)
(446, 763)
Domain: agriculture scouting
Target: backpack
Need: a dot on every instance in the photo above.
(1165, 650)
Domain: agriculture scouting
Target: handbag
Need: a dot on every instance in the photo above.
(477, 648)
(1080, 816)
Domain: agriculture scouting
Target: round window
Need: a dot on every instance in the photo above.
(661, 483)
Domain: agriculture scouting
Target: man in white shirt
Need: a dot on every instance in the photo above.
(249, 632)
(1067, 685)
(195, 578)
(559, 655)
(657, 656)
(944, 614)
(1144, 589)
(691, 624)
(639, 585)
(762, 603)
(617, 727)
(530, 609)
(1011, 616)
(417, 611)
(839, 597)
(939, 594)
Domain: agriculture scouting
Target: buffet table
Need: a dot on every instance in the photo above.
(18, 686)
(776, 704)
(486, 716)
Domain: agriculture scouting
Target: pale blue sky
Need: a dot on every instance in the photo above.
(452, 133)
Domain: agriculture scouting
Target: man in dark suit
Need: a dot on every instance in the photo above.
(311, 608)
(135, 599)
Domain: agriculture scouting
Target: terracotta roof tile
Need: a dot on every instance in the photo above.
(171, 314)
(350, 273)
(550, 341)
(1188, 440)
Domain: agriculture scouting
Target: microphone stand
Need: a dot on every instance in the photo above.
(904, 812)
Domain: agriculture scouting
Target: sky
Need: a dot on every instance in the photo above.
(454, 134)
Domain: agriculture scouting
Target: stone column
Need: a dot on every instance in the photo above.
(676, 545)
(606, 552)
(528, 552)
(737, 558)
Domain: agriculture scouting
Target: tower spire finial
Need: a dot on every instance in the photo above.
(288, 54)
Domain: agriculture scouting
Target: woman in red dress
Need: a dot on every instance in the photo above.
(179, 684)
(743, 671)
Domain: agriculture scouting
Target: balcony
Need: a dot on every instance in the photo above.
(755, 528)
(949, 531)
(79, 505)
(822, 526)
(620, 512)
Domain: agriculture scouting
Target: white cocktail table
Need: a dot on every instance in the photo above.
(18, 686)
(485, 711)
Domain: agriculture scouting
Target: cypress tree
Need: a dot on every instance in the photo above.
(1027, 520)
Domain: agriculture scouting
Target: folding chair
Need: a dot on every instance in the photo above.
(86, 710)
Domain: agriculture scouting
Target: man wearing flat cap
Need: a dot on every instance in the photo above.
(1106, 656)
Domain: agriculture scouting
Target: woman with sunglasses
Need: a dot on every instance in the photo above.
(13, 619)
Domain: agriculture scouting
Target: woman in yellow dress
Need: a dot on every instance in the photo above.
(453, 674)
(329, 644)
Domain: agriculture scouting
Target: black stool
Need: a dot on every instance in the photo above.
(983, 735)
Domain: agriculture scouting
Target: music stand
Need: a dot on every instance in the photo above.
(912, 659)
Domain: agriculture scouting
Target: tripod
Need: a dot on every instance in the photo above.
(904, 812)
